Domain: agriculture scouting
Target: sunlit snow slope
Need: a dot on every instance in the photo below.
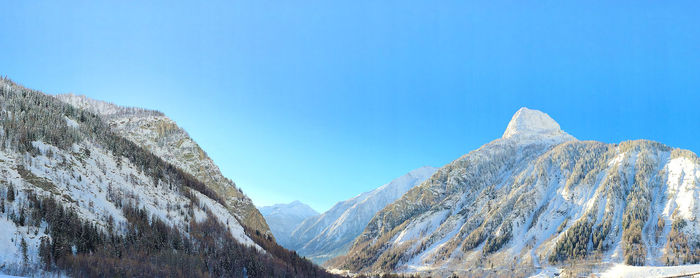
(283, 218)
(160, 135)
(539, 197)
(121, 193)
(329, 234)
(86, 177)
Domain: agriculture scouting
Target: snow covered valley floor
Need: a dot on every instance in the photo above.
(628, 271)
(624, 271)
(606, 270)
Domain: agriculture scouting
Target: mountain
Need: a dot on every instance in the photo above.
(283, 218)
(328, 235)
(160, 135)
(78, 199)
(537, 198)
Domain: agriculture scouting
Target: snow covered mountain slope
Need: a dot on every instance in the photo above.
(537, 197)
(79, 200)
(328, 235)
(283, 218)
(159, 134)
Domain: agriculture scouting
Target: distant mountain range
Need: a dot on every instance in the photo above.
(322, 237)
(283, 218)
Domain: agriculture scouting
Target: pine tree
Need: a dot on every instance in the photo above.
(45, 252)
(22, 217)
(23, 245)
(11, 193)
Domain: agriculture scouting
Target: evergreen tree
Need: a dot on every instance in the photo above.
(23, 246)
(45, 252)
(22, 218)
(11, 193)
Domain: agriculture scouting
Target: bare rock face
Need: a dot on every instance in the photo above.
(121, 193)
(159, 134)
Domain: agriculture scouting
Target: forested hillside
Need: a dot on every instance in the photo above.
(155, 132)
(77, 198)
(537, 198)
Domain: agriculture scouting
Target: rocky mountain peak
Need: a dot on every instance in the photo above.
(530, 122)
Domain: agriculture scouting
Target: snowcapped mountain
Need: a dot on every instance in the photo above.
(527, 122)
(78, 199)
(159, 134)
(283, 218)
(329, 234)
(537, 198)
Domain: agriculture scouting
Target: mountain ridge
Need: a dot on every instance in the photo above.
(329, 234)
(541, 197)
(159, 134)
(77, 199)
(283, 218)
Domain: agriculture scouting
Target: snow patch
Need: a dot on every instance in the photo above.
(627, 271)
(72, 123)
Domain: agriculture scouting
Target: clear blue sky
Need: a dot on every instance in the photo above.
(321, 100)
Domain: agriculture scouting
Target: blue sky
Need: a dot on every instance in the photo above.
(321, 100)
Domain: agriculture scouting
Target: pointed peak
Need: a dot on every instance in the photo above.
(532, 122)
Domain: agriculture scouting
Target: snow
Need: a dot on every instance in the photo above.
(8, 276)
(10, 237)
(224, 217)
(530, 169)
(327, 235)
(92, 182)
(627, 271)
(547, 272)
(293, 209)
(422, 227)
(160, 135)
(72, 123)
(88, 184)
(100, 107)
(421, 262)
(284, 218)
(682, 177)
(527, 122)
